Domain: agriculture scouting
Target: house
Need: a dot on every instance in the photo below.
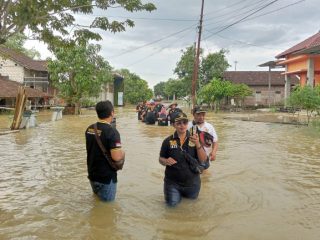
(9, 90)
(25, 70)
(19, 68)
(302, 60)
(258, 81)
(114, 91)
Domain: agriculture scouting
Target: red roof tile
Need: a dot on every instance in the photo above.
(9, 89)
(310, 42)
(23, 60)
(257, 78)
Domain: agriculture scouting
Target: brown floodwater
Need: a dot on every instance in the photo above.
(265, 184)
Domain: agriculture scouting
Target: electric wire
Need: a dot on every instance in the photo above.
(240, 20)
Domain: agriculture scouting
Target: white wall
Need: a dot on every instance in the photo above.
(105, 94)
(11, 69)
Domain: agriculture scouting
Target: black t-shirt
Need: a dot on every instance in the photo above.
(151, 116)
(173, 113)
(180, 172)
(99, 169)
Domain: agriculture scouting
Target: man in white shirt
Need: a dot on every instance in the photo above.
(207, 133)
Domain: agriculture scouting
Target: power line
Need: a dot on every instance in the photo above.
(240, 20)
(276, 10)
(251, 44)
(153, 42)
(225, 18)
(152, 54)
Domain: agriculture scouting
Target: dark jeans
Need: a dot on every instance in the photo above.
(174, 192)
(105, 191)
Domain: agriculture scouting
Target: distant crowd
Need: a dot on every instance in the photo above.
(154, 111)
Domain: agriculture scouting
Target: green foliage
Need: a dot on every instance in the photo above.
(213, 66)
(306, 98)
(159, 89)
(217, 90)
(175, 88)
(51, 21)
(184, 69)
(79, 72)
(16, 42)
(135, 89)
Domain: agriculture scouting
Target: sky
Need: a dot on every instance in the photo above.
(253, 32)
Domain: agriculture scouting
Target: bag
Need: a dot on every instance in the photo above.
(116, 165)
(193, 163)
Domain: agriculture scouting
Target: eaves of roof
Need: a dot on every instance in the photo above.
(23, 60)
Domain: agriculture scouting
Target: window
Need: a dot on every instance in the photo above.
(258, 96)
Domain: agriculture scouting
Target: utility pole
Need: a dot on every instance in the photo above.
(235, 65)
(196, 61)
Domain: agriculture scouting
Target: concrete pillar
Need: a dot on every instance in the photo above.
(310, 73)
(287, 87)
(57, 113)
(29, 119)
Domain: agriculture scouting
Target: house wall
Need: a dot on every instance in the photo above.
(11, 69)
(105, 94)
(303, 64)
(297, 65)
(260, 96)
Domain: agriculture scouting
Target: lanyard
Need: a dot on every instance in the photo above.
(182, 142)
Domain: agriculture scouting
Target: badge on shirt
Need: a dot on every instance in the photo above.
(173, 144)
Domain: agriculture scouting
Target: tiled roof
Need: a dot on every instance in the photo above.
(257, 78)
(9, 89)
(310, 42)
(23, 60)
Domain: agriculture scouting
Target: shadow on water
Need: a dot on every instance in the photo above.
(263, 185)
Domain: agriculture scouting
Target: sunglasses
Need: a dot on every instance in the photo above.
(183, 122)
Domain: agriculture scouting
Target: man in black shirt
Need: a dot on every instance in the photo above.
(103, 178)
(181, 153)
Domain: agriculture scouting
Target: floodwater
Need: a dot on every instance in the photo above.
(265, 184)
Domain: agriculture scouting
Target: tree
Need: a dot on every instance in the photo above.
(240, 91)
(159, 89)
(54, 22)
(78, 73)
(307, 98)
(217, 90)
(174, 88)
(16, 42)
(213, 66)
(135, 89)
(184, 69)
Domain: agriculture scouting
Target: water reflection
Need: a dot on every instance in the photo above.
(264, 184)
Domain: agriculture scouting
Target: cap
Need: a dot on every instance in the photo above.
(174, 103)
(181, 116)
(198, 109)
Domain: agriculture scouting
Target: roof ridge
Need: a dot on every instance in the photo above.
(311, 41)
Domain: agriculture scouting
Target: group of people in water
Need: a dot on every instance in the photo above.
(185, 154)
(152, 112)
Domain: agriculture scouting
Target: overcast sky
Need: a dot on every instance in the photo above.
(253, 33)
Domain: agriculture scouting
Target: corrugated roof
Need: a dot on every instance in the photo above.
(23, 60)
(310, 42)
(257, 78)
(9, 89)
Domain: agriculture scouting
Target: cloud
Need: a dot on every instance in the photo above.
(153, 47)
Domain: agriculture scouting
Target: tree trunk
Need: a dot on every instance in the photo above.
(77, 108)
